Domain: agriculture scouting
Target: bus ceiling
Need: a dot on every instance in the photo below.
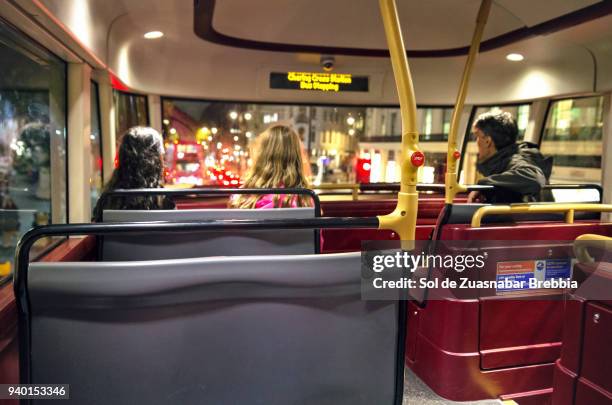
(227, 49)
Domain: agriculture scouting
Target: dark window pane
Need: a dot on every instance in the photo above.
(573, 135)
(334, 137)
(32, 139)
(130, 110)
(96, 147)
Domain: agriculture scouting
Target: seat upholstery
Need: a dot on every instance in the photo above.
(288, 329)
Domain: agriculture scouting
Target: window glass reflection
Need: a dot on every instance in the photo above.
(207, 140)
(130, 110)
(32, 140)
(95, 181)
(573, 136)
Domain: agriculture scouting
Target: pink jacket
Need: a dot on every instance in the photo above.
(267, 201)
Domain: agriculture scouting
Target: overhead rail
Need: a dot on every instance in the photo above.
(567, 209)
(403, 219)
(452, 157)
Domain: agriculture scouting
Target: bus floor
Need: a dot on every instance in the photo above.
(417, 393)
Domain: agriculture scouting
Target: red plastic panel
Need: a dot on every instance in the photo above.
(360, 208)
(588, 394)
(450, 325)
(429, 208)
(72, 250)
(458, 377)
(8, 309)
(349, 240)
(201, 203)
(449, 360)
(572, 333)
(9, 367)
(412, 324)
(518, 332)
(597, 346)
(564, 385)
(9, 352)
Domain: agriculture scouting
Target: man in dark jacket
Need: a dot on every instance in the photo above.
(518, 171)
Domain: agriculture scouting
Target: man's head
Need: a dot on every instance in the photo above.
(493, 132)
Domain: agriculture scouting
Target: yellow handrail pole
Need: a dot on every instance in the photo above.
(403, 219)
(452, 186)
(582, 243)
(567, 209)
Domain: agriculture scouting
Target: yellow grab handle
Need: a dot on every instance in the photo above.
(567, 209)
(583, 242)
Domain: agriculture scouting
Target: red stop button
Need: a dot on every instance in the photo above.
(417, 158)
(456, 154)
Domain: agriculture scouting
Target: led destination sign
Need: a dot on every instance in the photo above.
(313, 81)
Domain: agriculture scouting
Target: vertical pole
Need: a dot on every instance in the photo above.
(452, 187)
(403, 219)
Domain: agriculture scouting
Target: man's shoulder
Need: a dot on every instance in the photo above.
(527, 151)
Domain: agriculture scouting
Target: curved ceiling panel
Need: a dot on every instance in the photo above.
(434, 24)
(437, 28)
(182, 64)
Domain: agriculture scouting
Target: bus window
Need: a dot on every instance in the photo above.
(225, 132)
(130, 110)
(468, 174)
(573, 136)
(334, 137)
(32, 140)
(383, 137)
(95, 180)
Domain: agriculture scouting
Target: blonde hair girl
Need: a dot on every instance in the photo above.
(278, 162)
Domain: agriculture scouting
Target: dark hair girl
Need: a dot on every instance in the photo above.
(140, 166)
